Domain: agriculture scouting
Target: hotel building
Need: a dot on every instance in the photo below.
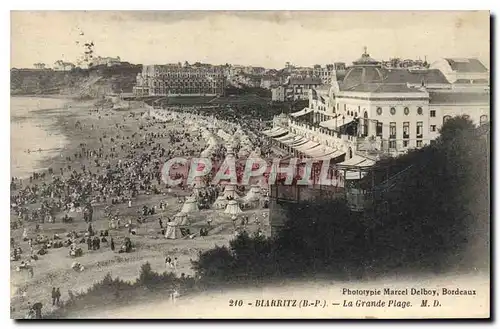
(178, 80)
(375, 112)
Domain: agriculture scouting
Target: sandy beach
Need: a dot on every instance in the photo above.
(79, 126)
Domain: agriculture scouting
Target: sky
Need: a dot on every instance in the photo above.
(259, 38)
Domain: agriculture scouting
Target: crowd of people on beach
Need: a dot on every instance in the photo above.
(113, 170)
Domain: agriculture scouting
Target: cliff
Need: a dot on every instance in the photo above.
(80, 83)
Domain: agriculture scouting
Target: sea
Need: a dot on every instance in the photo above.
(33, 138)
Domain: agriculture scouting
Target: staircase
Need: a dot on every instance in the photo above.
(86, 88)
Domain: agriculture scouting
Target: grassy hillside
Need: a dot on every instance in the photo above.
(77, 82)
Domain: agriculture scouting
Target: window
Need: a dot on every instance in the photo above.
(406, 130)
(392, 144)
(483, 119)
(393, 110)
(433, 128)
(419, 143)
(379, 110)
(379, 129)
(433, 113)
(420, 126)
(407, 111)
(420, 111)
(446, 118)
(405, 143)
(392, 130)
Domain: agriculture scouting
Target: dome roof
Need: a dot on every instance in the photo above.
(364, 70)
(366, 60)
(358, 75)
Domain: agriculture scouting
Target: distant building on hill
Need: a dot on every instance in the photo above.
(108, 61)
(61, 65)
(269, 82)
(39, 66)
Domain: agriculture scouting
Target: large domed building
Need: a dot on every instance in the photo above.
(364, 70)
(373, 111)
(376, 110)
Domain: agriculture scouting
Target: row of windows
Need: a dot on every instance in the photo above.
(186, 85)
(203, 79)
(483, 119)
(406, 130)
(406, 111)
(392, 144)
(392, 110)
(185, 91)
(187, 74)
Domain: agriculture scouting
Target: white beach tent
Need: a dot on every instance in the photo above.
(243, 152)
(232, 208)
(206, 153)
(256, 153)
(254, 194)
(190, 205)
(173, 231)
(181, 218)
(230, 191)
(220, 202)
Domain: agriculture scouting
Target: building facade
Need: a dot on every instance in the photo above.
(178, 80)
(39, 66)
(63, 66)
(108, 61)
(278, 94)
(295, 89)
(269, 82)
(463, 70)
(375, 111)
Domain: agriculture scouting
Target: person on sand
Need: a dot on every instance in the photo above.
(168, 262)
(37, 307)
(112, 244)
(58, 296)
(160, 222)
(31, 312)
(54, 296)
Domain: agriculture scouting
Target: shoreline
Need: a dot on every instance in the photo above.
(55, 96)
(44, 129)
(55, 267)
